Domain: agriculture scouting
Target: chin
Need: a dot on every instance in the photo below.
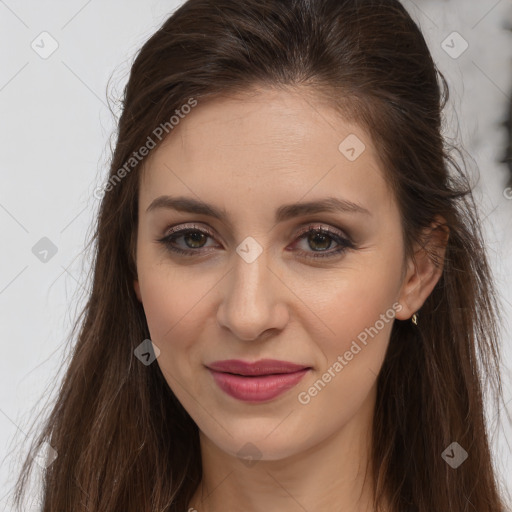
(261, 440)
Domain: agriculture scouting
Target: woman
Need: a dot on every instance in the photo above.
(290, 293)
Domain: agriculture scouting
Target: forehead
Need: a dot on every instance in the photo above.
(273, 144)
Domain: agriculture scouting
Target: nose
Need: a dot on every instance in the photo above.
(254, 303)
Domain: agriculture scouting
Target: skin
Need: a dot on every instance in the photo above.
(251, 154)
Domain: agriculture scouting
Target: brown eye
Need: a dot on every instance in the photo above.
(320, 239)
(193, 238)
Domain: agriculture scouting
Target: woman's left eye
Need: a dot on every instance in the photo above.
(314, 236)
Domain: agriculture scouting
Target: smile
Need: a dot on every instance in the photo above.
(260, 381)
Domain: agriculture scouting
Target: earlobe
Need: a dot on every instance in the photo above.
(424, 269)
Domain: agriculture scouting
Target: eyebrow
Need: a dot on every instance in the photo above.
(283, 213)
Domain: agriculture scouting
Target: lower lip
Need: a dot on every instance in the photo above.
(257, 389)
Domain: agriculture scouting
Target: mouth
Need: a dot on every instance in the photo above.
(256, 382)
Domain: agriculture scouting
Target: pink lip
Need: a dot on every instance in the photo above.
(256, 382)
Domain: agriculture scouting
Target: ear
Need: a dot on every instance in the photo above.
(136, 287)
(424, 268)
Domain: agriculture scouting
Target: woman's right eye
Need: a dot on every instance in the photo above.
(194, 238)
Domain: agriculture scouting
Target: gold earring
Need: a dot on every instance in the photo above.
(415, 319)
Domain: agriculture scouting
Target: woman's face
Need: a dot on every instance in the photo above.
(260, 281)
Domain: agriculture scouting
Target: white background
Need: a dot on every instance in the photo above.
(55, 130)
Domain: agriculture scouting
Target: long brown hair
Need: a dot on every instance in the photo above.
(123, 440)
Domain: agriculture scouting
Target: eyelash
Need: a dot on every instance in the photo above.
(344, 243)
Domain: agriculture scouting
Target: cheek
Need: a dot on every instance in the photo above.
(360, 304)
(160, 305)
(361, 324)
(360, 312)
(176, 302)
(362, 294)
(361, 317)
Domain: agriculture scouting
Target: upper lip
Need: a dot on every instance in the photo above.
(261, 367)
